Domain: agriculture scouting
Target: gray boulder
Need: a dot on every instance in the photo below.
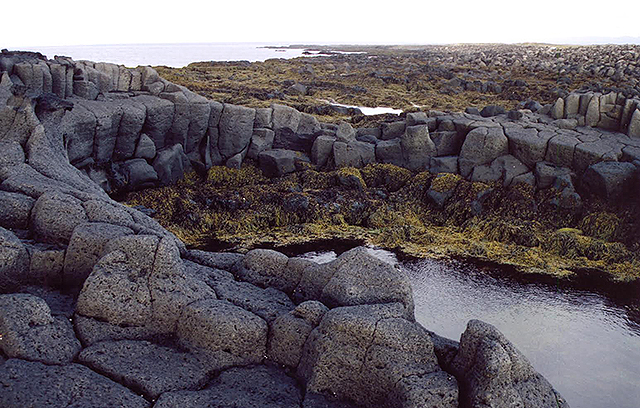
(390, 151)
(546, 174)
(345, 132)
(266, 267)
(322, 149)
(159, 118)
(392, 130)
(147, 367)
(30, 332)
(261, 140)
(55, 216)
(448, 143)
(14, 210)
(91, 331)
(634, 124)
(278, 162)
(371, 355)
(610, 180)
(219, 260)
(417, 147)
(33, 384)
(289, 332)
(267, 303)
(353, 154)
(145, 148)
(133, 117)
(561, 149)
(138, 174)
(236, 129)
(251, 387)
(482, 146)
(46, 264)
(528, 145)
(229, 334)
(447, 164)
(354, 278)
(494, 373)
(170, 164)
(263, 118)
(85, 248)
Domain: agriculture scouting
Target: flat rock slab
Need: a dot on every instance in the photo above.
(36, 385)
(147, 367)
(29, 331)
(251, 387)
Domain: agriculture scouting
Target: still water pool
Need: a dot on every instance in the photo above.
(585, 344)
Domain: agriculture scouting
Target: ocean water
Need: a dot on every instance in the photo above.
(171, 55)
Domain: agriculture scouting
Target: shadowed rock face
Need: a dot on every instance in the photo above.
(150, 321)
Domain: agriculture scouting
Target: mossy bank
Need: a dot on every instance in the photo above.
(403, 211)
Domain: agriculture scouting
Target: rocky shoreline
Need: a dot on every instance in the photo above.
(103, 306)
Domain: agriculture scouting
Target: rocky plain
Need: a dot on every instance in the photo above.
(102, 305)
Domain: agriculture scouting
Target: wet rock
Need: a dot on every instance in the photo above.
(546, 174)
(494, 372)
(147, 367)
(314, 400)
(447, 164)
(32, 384)
(278, 162)
(610, 180)
(138, 174)
(260, 386)
(448, 143)
(30, 332)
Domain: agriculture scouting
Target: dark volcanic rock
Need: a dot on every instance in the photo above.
(30, 384)
(494, 372)
(146, 367)
(251, 387)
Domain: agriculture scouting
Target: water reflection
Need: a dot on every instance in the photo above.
(587, 346)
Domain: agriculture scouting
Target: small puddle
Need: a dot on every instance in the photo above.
(380, 110)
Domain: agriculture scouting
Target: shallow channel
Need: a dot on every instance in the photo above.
(583, 342)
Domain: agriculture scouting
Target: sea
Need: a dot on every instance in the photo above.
(170, 55)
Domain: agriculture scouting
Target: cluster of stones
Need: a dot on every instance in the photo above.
(618, 62)
(130, 129)
(100, 306)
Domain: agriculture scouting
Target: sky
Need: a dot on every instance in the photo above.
(47, 23)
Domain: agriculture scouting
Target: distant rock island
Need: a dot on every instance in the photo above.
(103, 306)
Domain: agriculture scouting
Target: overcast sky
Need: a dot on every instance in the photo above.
(38, 22)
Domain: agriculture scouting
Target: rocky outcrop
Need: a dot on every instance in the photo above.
(153, 319)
